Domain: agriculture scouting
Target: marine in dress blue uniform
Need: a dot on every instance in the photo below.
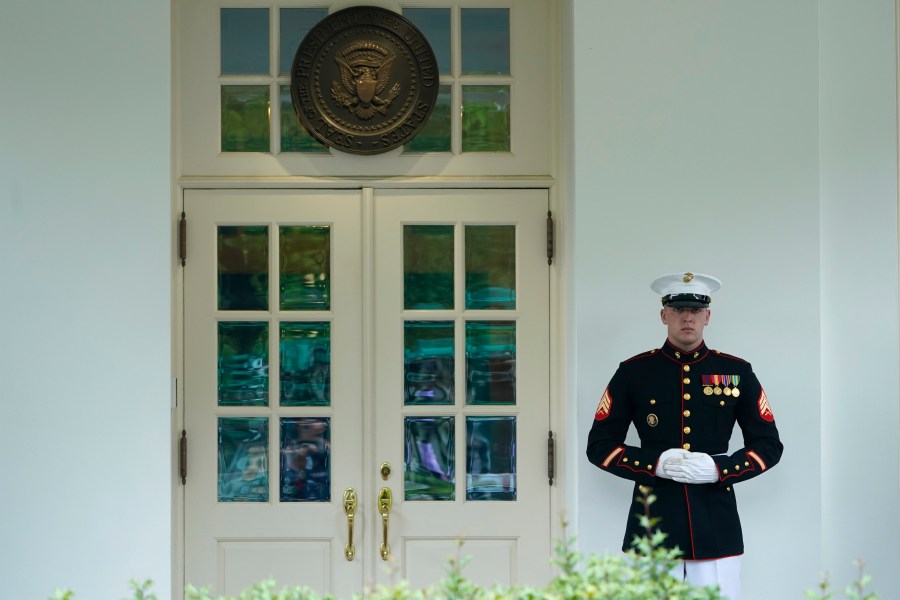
(684, 400)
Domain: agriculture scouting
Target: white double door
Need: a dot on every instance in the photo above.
(380, 353)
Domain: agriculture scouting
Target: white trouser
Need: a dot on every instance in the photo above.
(724, 572)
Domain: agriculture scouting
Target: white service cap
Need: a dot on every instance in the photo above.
(686, 289)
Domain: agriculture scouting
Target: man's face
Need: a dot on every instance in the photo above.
(685, 325)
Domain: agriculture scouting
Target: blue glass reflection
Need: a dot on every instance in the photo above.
(244, 41)
(485, 41)
(306, 459)
(243, 369)
(434, 23)
(428, 368)
(243, 459)
(429, 463)
(491, 362)
(490, 458)
(295, 23)
(305, 364)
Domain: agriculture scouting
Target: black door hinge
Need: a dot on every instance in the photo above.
(550, 240)
(551, 457)
(182, 239)
(182, 457)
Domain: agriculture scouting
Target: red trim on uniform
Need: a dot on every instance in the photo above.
(738, 473)
(687, 501)
(757, 458)
(612, 455)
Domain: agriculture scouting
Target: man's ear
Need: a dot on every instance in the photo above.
(708, 314)
(662, 316)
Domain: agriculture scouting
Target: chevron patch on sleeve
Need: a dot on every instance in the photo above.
(604, 407)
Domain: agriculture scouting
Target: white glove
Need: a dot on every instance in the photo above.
(672, 456)
(696, 467)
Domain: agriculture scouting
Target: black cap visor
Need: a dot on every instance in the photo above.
(686, 301)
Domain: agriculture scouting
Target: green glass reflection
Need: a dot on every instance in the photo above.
(243, 267)
(485, 41)
(294, 24)
(305, 252)
(294, 136)
(490, 458)
(245, 118)
(428, 364)
(429, 464)
(427, 267)
(434, 23)
(243, 363)
(243, 459)
(491, 362)
(305, 364)
(491, 267)
(435, 135)
(244, 41)
(485, 118)
(305, 459)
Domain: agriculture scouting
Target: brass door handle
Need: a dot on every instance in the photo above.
(384, 509)
(350, 510)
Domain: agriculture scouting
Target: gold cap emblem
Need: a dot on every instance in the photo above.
(688, 277)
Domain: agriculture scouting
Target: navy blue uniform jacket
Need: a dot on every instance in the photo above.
(671, 398)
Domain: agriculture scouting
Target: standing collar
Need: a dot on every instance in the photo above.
(698, 353)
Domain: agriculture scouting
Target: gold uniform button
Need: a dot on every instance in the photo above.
(728, 488)
(687, 413)
(687, 429)
(686, 446)
(649, 467)
(747, 463)
(737, 467)
(686, 380)
(722, 402)
(652, 401)
(687, 396)
(725, 471)
(687, 368)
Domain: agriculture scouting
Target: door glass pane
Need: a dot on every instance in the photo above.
(294, 136)
(243, 459)
(485, 41)
(491, 362)
(244, 41)
(306, 459)
(243, 267)
(491, 267)
(428, 366)
(434, 23)
(295, 23)
(305, 364)
(490, 458)
(435, 135)
(245, 118)
(429, 464)
(427, 267)
(243, 364)
(485, 118)
(305, 267)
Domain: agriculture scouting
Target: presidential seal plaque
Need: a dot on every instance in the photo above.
(364, 80)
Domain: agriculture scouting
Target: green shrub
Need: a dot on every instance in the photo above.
(644, 573)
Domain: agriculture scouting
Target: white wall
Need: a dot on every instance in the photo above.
(860, 416)
(697, 149)
(85, 297)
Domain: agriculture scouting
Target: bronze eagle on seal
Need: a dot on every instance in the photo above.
(365, 73)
